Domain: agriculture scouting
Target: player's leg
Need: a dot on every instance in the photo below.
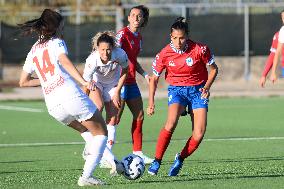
(96, 146)
(198, 107)
(96, 97)
(165, 135)
(136, 107)
(111, 115)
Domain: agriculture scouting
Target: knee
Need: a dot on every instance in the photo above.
(139, 115)
(170, 125)
(198, 134)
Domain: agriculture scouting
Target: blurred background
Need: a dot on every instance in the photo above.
(238, 32)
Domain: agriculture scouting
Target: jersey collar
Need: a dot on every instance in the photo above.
(134, 33)
(179, 51)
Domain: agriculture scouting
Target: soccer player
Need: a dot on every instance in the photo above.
(185, 63)
(107, 66)
(269, 61)
(279, 49)
(130, 40)
(65, 100)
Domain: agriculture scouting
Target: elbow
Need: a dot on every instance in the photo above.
(21, 84)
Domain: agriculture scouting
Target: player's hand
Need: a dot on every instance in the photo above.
(147, 77)
(273, 77)
(116, 100)
(262, 81)
(204, 93)
(151, 110)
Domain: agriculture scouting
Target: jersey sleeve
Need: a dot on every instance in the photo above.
(60, 47)
(119, 38)
(281, 35)
(274, 43)
(123, 59)
(158, 65)
(206, 55)
(90, 67)
(28, 66)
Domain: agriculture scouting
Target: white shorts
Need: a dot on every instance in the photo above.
(78, 108)
(107, 90)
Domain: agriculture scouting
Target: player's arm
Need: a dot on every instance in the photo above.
(273, 76)
(26, 80)
(267, 68)
(213, 71)
(142, 72)
(72, 70)
(116, 97)
(152, 90)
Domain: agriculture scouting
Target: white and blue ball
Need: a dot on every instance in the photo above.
(134, 166)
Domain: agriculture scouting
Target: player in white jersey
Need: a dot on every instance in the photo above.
(107, 66)
(55, 72)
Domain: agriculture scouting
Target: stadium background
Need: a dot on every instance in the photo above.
(239, 32)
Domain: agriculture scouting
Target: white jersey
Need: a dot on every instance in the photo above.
(56, 83)
(281, 35)
(105, 73)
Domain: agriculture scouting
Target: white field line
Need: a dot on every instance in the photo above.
(77, 143)
(20, 109)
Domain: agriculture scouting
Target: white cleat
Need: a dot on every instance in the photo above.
(104, 164)
(117, 168)
(146, 159)
(91, 181)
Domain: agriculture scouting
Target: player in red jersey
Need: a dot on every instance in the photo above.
(130, 40)
(269, 61)
(185, 63)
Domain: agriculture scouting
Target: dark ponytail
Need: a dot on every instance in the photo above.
(46, 26)
(180, 24)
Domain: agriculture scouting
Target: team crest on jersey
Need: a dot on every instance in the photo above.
(171, 63)
(132, 42)
(189, 61)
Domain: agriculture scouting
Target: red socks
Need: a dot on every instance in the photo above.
(189, 148)
(136, 132)
(162, 143)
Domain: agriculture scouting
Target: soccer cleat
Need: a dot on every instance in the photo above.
(104, 164)
(146, 159)
(91, 181)
(154, 168)
(117, 168)
(177, 165)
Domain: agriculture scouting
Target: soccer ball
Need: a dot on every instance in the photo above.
(134, 166)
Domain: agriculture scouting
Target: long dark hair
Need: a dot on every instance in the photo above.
(46, 26)
(180, 24)
(145, 11)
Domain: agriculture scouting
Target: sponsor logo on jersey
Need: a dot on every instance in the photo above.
(189, 61)
(171, 63)
(203, 49)
(61, 44)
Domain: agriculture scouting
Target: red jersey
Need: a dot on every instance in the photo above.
(131, 43)
(184, 68)
(269, 61)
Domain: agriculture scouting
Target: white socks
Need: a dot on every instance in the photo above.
(111, 129)
(87, 136)
(96, 148)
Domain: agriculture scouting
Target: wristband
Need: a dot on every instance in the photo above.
(145, 74)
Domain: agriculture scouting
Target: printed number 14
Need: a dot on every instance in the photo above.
(47, 66)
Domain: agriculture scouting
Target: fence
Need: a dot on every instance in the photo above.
(229, 29)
